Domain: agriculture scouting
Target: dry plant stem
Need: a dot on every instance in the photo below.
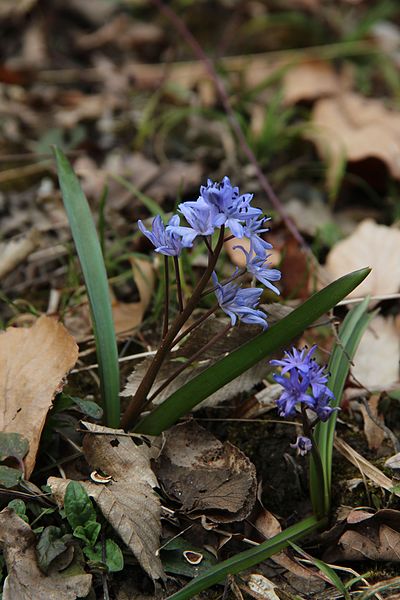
(166, 301)
(202, 56)
(196, 324)
(178, 283)
(139, 400)
(234, 276)
(190, 360)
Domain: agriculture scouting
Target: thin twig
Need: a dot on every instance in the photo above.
(166, 298)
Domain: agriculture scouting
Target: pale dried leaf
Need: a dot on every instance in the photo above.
(14, 252)
(25, 581)
(205, 476)
(309, 81)
(238, 257)
(351, 127)
(259, 587)
(376, 362)
(128, 502)
(376, 246)
(373, 432)
(33, 364)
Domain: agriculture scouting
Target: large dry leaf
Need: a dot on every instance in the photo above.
(206, 476)
(25, 581)
(366, 536)
(309, 81)
(235, 338)
(128, 502)
(376, 246)
(33, 364)
(376, 362)
(353, 128)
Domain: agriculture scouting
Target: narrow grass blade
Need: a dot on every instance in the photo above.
(233, 365)
(148, 202)
(95, 276)
(248, 558)
(350, 334)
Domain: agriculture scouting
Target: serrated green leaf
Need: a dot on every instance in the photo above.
(233, 365)
(95, 276)
(78, 507)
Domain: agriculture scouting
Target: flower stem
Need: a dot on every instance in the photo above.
(190, 360)
(196, 323)
(166, 300)
(234, 276)
(178, 283)
(320, 507)
(139, 400)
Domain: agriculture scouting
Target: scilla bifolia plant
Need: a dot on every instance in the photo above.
(219, 208)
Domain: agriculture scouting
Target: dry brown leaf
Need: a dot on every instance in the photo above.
(13, 252)
(373, 245)
(351, 127)
(33, 364)
(128, 502)
(206, 476)
(376, 362)
(25, 581)
(310, 80)
(259, 587)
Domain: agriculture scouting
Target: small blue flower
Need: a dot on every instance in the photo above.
(240, 303)
(321, 407)
(298, 359)
(303, 445)
(200, 217)
(259, 267)
(295, 392)
(165, 241)
(251, 230)
(232, 208)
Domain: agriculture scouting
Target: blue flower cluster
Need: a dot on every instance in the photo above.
(221, 204)
(304, 382)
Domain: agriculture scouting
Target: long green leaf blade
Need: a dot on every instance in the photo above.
(95, 276)
(248, 558)
(236, 363)
(350, 333)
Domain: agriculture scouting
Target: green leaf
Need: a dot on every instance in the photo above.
(19, 507)
(349, 336)
(9, 477)
(174, 561)
(78, 507)
(233, 365)
(95, 276)
(114, 559)
(13, 444)
(248, 558)
(50, 545)
(88, 532)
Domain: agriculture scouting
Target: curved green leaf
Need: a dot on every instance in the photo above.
(233, 365)
(95, 276)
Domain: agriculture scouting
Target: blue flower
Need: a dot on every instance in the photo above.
(165, 241)
(200, 217)
(251, 230)
(232, 208)
(303, 445)
(321, 407)
(295, 392)
(298, 359)
(240, 303)
(259, 267)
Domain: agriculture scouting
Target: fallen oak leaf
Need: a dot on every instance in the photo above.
(25, 581)
(128, 502)
(33, 364)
